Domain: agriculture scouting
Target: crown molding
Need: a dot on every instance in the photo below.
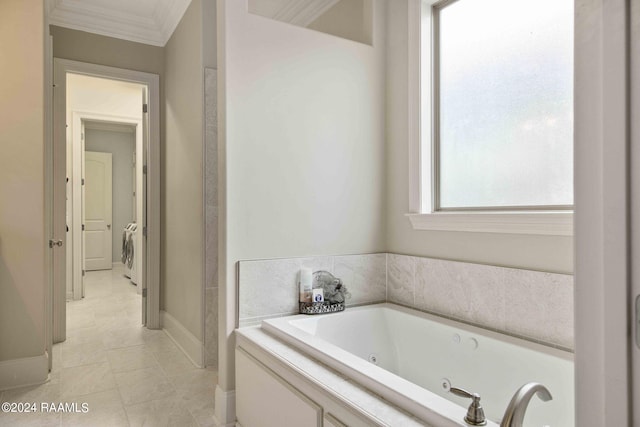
(99, 17)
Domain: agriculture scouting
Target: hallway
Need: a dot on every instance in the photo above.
(128, 375)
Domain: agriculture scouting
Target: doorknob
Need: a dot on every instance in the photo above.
(108, 226)
(53, 243)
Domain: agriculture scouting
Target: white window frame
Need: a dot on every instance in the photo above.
(422, 213)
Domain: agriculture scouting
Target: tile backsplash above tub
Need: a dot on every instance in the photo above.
(269, 288)
(525, 303)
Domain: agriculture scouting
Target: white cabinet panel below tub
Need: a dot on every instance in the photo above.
(264, 400)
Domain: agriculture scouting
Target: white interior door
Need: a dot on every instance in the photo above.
(97, 211)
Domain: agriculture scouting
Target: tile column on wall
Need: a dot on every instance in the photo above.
(211, 217)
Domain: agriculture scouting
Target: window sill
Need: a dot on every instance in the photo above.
(556, 223)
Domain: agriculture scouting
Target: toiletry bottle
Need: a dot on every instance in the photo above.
(305, 284)
(318, 295)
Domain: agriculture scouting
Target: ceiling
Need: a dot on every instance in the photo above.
(144, 21)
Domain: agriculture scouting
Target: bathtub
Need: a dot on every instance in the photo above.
(406, 356)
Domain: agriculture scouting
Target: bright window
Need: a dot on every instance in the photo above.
(502, 105)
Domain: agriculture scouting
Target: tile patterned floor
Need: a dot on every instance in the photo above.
(127, 374)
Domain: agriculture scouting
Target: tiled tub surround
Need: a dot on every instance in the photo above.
(525, 303)
(269, 288)
(530, 304)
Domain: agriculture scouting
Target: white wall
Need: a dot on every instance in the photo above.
(301, 150)
(544, 253)
(121, 144)
(22, 216)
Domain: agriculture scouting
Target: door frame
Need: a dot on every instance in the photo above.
(634, 106)
(78, 148)
(152, 165)
(603, 220)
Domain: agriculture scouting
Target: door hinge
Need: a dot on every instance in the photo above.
(82, 227)
(82, 181)
(83, 273)
(145, 108)
(144, 293)
(638, 321)
(144, 169)
(144, 231)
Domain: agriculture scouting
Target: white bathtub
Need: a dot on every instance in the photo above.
(415, 351)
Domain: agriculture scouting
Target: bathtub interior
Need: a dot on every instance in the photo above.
(425, 351)
(366, 334)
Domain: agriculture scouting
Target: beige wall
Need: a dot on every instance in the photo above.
(22, 239)
(545, 253)
(182, 239)
(96, 49)
(302, 141)
(209, 36)
(347, 18)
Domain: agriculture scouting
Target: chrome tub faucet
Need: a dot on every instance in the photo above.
(514, 415)
(475, 413)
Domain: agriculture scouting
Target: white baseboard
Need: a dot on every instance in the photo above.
(225, 408)
(185, 340)
(24, 372)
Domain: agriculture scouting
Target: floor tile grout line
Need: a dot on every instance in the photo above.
(77, 396)
(124, 407)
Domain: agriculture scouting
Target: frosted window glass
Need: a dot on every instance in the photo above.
(505, 103)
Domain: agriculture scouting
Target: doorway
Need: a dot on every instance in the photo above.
(104, 129)
(106, 177)
(111, 200)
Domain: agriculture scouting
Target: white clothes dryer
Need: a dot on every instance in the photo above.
(133, 261)
(126, 243)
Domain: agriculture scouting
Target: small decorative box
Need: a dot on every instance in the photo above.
(320, 307)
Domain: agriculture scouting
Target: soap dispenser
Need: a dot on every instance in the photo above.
(305, 284)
